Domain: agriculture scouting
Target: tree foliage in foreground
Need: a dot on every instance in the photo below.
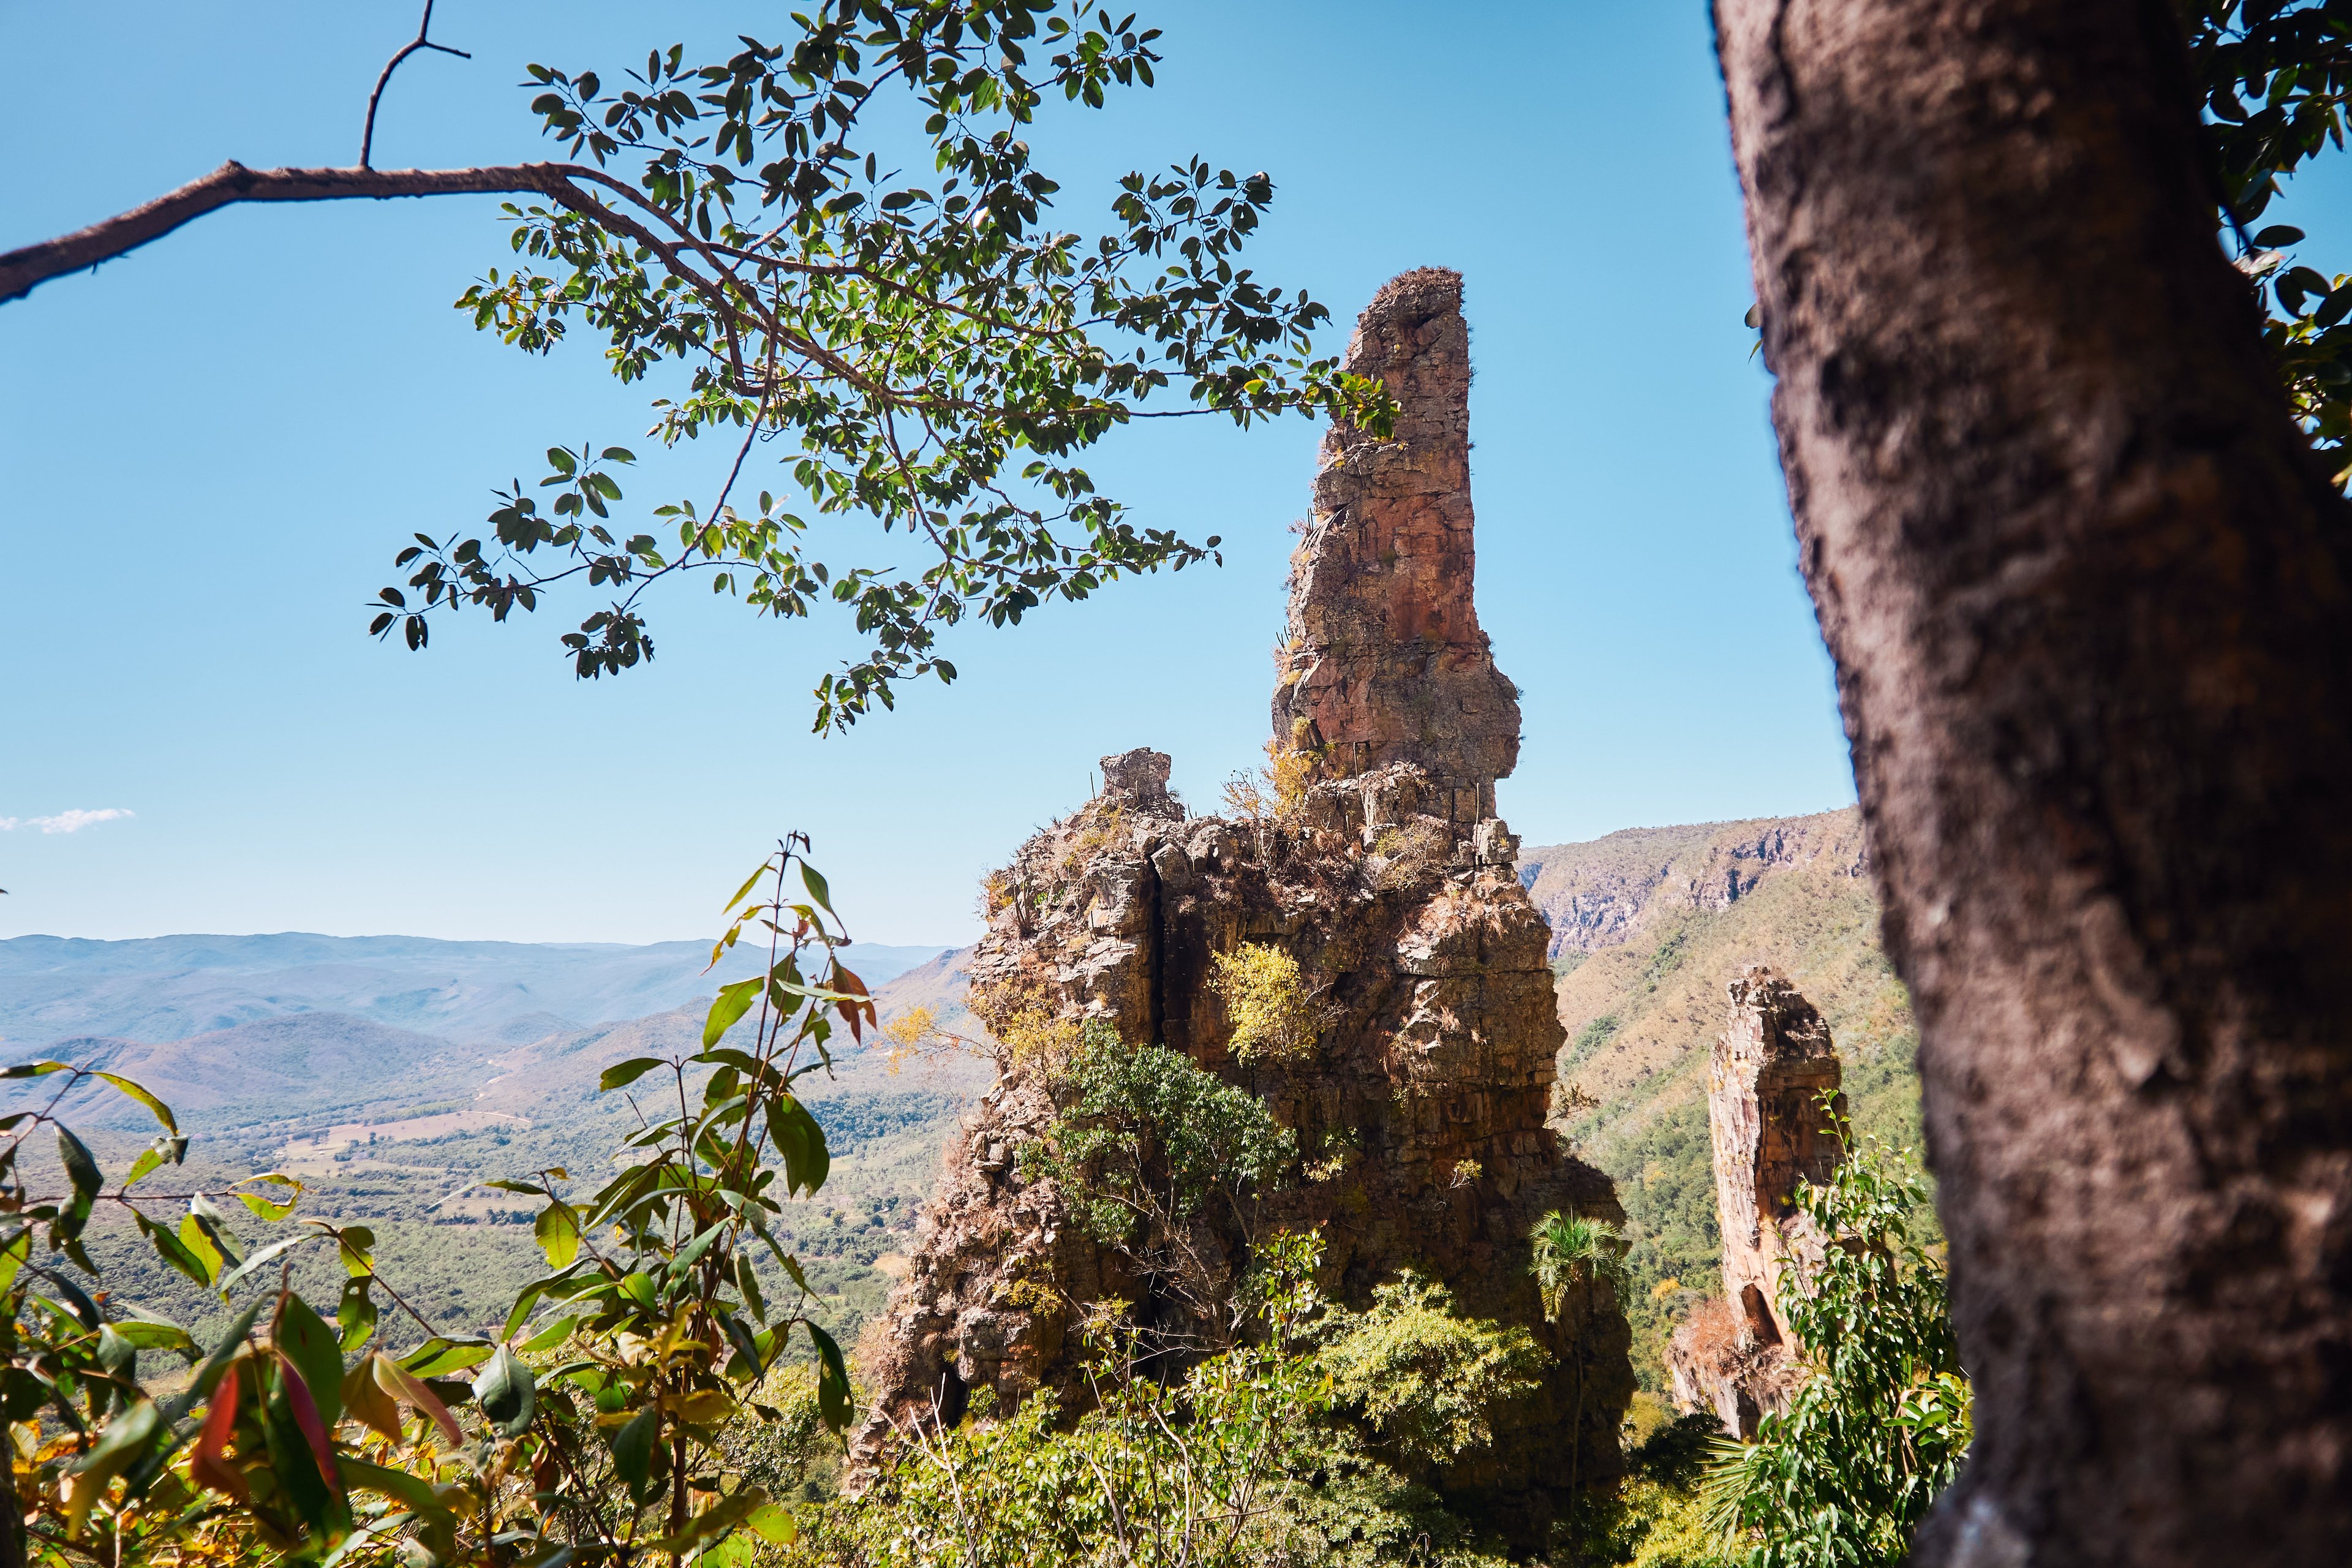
(595, 1426)
(838, 238)
(936, 351)
(2275, 81)
(1842, 1479)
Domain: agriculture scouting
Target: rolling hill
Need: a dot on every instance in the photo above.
(398, 1127)
(393, 1074)
(171, 987)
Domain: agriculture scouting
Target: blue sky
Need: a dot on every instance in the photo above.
(209, 452)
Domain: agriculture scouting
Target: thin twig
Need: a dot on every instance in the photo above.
(367, 136)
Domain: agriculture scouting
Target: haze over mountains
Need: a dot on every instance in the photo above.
(171, 987)
(392, 1074)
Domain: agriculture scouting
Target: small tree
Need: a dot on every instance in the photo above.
(1842, 1479)
(1571, 1252)
(1147, 1146)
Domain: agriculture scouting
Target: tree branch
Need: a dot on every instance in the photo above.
(24, 269)
(367, 136)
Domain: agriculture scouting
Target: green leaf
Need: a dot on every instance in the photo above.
(315, 1351)
(746, 1279)
(440, 1356)
(163, 1111)
(125, 1440)
(151, 1159)
(621, 1074)
(34, 1070)
(558, 1230)
(262, 1257)
(200, 1250)
(505, 1392)
(356, 1313)
(731, 1003)
(81, 1169)
(355, 1244)
(693, 1251)
(154, 1335)
(175, 1252)
(773, 1524)
(747, 1346)
(800, 1145)
(414, 1491)
(632, 1448)
(832, 1396)
(548, 1338)
(815, 882)
(271, 1209)
(748, 883)
(12, 1255)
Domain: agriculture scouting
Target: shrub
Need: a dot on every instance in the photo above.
(1267, 1000)
(1236, 1463)
(1846, 1474)
(1424, 1376)
(1147, 1142)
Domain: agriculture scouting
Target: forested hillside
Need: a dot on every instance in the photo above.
(396, 1126)
(398, 1129)
(1648, 927)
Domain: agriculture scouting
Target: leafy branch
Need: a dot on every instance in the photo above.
(935, 354)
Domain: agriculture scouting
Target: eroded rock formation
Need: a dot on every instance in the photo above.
(1771, 1067)
(1382, 660)
(1419, 1105)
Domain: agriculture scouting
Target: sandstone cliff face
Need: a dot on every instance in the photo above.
(1419, 1106)
(1771, 1067)
(1428, 1085)
(1382, 660)
(1600, 895)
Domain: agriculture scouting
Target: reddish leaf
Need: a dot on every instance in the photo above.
(397, 1381)
(306, 1417)
(210, 1463)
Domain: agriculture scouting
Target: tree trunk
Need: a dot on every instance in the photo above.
(2087, 594)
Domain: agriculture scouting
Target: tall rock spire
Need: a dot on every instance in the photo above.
(1772, 1065)
(1382, 660)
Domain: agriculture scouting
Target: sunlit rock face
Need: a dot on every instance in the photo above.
(1382, 660)
(1772, 1066)
(1418, 1104)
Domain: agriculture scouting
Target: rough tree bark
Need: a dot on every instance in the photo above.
(2087, 595)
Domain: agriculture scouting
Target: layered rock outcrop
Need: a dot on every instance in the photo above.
(1382, 660)
(1419, 1103)
(1771, 1068)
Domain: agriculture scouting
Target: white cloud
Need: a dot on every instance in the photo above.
(63, 822)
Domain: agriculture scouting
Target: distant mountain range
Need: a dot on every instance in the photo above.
(393, 1073)
(171, 987)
